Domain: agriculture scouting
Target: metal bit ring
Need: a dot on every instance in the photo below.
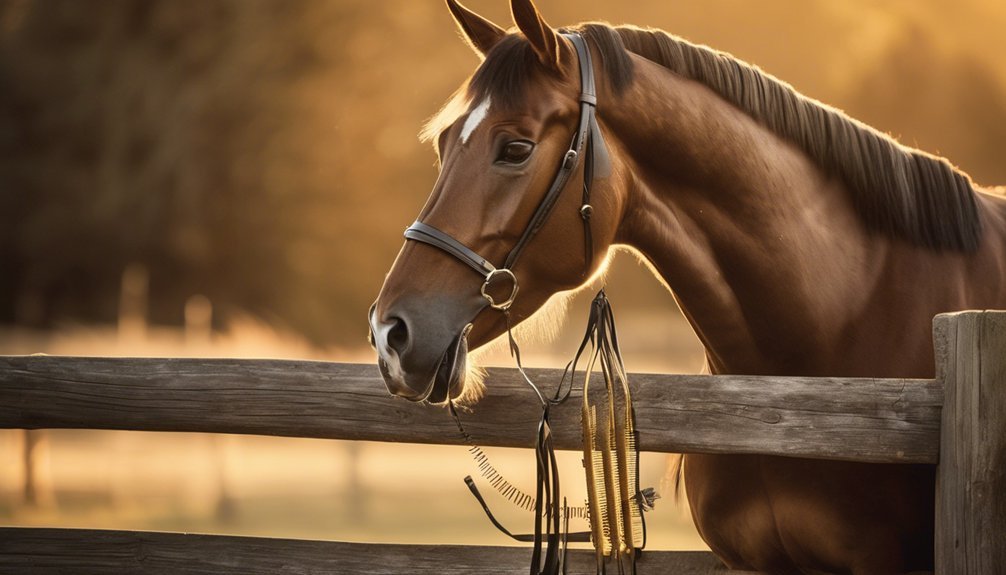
(504, 305)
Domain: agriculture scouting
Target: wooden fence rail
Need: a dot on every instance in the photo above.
(876, 420)
(100, 552)
(871, 420)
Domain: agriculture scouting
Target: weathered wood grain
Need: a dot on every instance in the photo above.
(971, 477)
(95, 552)
(874, 420)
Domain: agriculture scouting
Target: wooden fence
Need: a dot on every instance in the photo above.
(957, 421)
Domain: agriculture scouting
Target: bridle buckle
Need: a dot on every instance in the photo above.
(503, 305)
(569, 160)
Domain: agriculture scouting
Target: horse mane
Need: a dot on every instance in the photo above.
(897, 190)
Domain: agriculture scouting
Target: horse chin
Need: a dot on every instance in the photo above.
(449, 381)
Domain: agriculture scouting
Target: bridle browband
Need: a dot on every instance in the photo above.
(587, 141)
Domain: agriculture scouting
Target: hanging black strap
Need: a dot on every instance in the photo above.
(576, 537)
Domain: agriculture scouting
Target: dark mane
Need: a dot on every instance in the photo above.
(897, 190)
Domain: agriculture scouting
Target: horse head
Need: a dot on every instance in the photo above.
(511, 183)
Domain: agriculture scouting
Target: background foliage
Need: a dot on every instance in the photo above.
(263, 152)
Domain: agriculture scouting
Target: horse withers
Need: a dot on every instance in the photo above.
(795, 240)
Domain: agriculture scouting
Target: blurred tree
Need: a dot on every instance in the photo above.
(940, 100)
(263, 152)
(182, 136)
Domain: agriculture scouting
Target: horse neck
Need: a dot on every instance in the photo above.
(763, 252)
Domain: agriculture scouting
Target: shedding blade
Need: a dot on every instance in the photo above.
(594, 469)
(611, 488)
(602, 501)
(628, 463)
(634, 528)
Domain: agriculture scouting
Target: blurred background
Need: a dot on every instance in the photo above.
(232, 178)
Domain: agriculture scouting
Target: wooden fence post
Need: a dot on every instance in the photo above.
(971, 476)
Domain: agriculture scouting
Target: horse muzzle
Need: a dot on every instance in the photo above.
(409, 370)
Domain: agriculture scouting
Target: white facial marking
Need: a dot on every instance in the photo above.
(474, 119)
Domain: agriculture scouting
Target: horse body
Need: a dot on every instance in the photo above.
(778, 275)
(763, 235)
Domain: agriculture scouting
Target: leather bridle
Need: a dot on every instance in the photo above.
(549, 537)
(587, 141)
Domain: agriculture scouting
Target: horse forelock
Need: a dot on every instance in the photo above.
(504, 77)
(457, 105)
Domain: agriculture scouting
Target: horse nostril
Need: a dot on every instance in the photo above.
(398, 335)
(371, 338)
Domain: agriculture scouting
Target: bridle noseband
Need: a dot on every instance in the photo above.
(587, 138)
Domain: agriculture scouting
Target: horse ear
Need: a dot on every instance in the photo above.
(481, 34)
(543, 38)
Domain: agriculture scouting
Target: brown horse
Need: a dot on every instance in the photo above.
(795, 240)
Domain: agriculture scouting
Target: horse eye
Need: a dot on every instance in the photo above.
(516, 152)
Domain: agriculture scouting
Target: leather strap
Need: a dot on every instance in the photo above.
(585, 127)
(428, 234)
